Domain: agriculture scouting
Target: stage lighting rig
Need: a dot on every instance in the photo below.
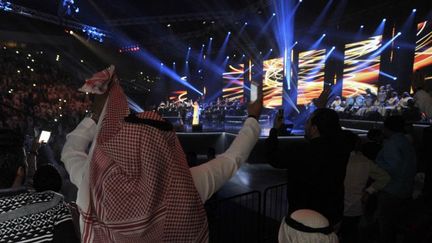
(5, 6)
(94, 33)
(68, 8)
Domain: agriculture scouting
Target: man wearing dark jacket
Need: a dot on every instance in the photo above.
(316, 169)
(28, 216)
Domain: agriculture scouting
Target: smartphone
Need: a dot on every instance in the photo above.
(254, 92)
(281, 112)
(44, 136)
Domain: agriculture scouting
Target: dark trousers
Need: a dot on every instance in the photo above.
(349, 229)
(391, 212)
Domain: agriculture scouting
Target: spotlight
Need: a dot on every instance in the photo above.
(399, 33)
(271, 50)
(203, 45)
(229, 32)
(189, 48)
(227, 57)
(71, 32)
(414, 10)
(394, 78)
(168, 25)
(300, 1)
(295, 43)
(323, 35)
(274, 14)
(384, 20)
(361, 26)
(243, 55)
(211, 38)
(173, 63)
(245, 23)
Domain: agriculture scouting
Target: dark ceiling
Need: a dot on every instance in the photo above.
(228, 15)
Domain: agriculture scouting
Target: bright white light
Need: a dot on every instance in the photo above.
(399, 33)
(274, 14)
(81, 60)
(17, 52)
(71, 32)
(414, 10)
(245, 23)
(394, 78)
(384, 20)
(323, 35)
(361, 26)
(168, 25)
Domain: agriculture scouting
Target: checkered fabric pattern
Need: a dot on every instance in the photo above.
(140, 184)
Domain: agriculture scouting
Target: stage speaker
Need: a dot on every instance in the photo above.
(197, 128)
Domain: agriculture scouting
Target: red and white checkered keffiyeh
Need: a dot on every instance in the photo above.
(141, 189)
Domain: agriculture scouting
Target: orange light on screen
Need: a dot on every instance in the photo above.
(273, 82)
(361, 70)
(310, 76)
(233, 81)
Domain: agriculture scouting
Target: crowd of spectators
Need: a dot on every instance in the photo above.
(387, 101)
(36, 94)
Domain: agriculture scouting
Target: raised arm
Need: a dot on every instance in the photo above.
(210, 176)
(74, 154)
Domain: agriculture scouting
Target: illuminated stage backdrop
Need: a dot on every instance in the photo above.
(361, 71)
(273, 82)
(233, 81)
(310, 75)
(423, 51)
(179, 95)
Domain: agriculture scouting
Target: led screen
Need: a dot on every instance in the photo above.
(423, 51)
(361, 66)
(310, 75)
(233, 81)
(178, 96)
(273, 82)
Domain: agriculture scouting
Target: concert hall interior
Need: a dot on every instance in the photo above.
(216, 121)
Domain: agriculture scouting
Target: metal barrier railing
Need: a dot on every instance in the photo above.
(242, 219)
(235, 219)
(275, 207)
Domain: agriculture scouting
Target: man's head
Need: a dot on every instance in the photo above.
(322, 123)
(393, 124)
(12, 159)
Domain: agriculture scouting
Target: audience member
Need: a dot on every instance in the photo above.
(28, 216)
(423, 99)
(47, 178)
(359, 169)
(398, 159)
(141, 165)
(306, 226)
(316, 170)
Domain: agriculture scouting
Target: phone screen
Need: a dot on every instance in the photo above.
(44, 137)
(254, 92)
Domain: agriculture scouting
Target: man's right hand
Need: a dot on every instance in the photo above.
(278, 121)
(254, 109)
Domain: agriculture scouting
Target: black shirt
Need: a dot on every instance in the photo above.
(316, 173)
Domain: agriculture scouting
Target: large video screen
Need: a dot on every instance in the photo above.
(233, 81)
(178, 96)
(273, 82)
(361, 66)
(310, 75)
(423, 51)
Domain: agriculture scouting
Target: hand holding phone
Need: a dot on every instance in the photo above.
(44, 136)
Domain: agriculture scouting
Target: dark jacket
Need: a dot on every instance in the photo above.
(316, 173)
